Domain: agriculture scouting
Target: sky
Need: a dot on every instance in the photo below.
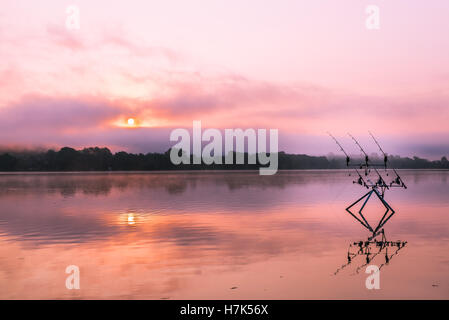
(302, 67)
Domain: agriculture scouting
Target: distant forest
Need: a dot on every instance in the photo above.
(102, 159)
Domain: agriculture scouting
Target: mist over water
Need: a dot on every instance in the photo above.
(196, 235)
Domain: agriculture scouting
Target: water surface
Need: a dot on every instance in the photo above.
(216, 235)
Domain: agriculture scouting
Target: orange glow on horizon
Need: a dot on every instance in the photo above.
(137, 123)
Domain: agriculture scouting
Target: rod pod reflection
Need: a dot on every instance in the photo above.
(387, 215)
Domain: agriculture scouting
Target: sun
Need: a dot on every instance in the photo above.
(131, 219)
(131, 121)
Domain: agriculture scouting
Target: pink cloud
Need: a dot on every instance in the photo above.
(65, 38)
(298, 112)
(166, 68)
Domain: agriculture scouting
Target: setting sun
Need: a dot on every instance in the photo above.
(131, 219)
(131, 122)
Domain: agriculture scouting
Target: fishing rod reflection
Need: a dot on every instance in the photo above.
(376, 247)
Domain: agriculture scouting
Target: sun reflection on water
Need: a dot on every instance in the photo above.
(129, 219)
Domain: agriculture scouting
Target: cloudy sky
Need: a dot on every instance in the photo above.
(303, 67)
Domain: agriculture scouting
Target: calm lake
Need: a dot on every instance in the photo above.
(217, 235)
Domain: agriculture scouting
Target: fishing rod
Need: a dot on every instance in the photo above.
(361, 181)
(361, 149)
(398, 179)
(380, 182)
(381, 150)
(341, 148)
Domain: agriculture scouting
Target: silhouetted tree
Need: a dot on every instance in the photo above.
(7, 162)
(102, 159)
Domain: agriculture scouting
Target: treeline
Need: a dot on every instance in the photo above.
(102, 159)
